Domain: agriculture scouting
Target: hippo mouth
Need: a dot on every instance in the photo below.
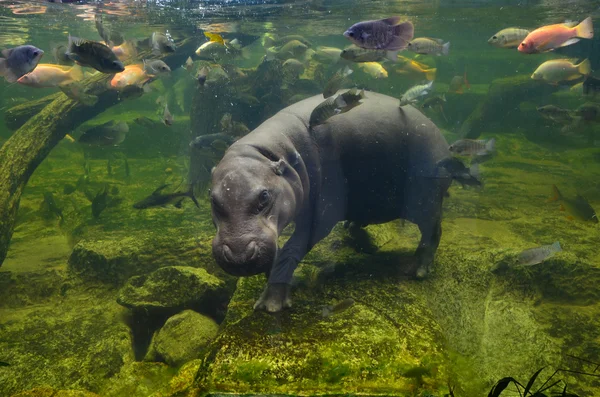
(254, 259)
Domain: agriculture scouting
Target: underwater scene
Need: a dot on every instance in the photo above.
(299, 198)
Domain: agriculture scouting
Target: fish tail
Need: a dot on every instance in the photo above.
(327, 310)
(403, 33)
(585, 68)
(392, 55)
(555, 194)
(446, 48)
(585, 29)
(490, 145)
(556, 247)
(430, 74)
(76, 73)
(192, 196)
(346, 71)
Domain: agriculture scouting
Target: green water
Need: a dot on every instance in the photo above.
(130, 302)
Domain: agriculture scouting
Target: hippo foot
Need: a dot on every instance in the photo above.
(420, 267)
(274, 298)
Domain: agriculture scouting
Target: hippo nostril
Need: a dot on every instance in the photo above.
(251, 250)
(227, 253)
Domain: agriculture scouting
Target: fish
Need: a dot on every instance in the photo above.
(339, 307)
(384, 34)
(533, 256)
(558, 70)
(248, 100)
(214, 37)
(410, 66)
(336, 81)
(155, 67)
(556, 114)
(158, 199)
(167, 116)
(356, 54)
(591, 85)
(271, 41)
(59, 53)
(202, 74)
(291, 49)
(415, 92)
(125, 51)
(48, 75)
(51, 206)
(373, 69)
(458, 83)
(434, 101)
(19, 61)
(69, 189)
(211, 50)
(145, 122)
(133, 75)
(100, 201)
(577, 89)
(589, 112)
(205, 141)
(4, 364)
(110, 37)
(578, 208)
(328, 55)
(293, 66)
(458, 171)
(509, 38)
(551, 37)
(77, 92)
(189, 64)
(95, 55)
(333, 106)
(107, 134)
(162, 43)
(429, 46)
(471, 147)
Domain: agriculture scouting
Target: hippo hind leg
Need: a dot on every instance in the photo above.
(431, 233)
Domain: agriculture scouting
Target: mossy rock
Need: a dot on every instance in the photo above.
(50, 392)
(170, 288)
(138, 379)
(182, 338)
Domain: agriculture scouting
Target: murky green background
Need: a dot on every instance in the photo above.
(465, 327)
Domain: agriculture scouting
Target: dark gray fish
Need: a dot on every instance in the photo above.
(589, 112)
(338, 307)
(162, 43)
(59, 52)
(68, 189)
(156, 67)
(157, 199)
(434, 101)
(556, 114)
(336, 82)
(537, 255)
(4, 364)
(95, 55)
(384, 34)
(107, 134)
(51, 206)
(100, 201)
(459, 172)
(167, 116)
(19, 61)
(204, 141)
(332, 106)
(358, 55)
(471, 147)
(145, 122)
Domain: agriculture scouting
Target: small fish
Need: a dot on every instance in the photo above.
(412, 67)
(189, 64)
(110, 37)
(434, 101)
(558, 70)
(202, 74)
(457, 170)
(100, 201)
(4, 364)
(548, 38)
(59, 53)
(107, 134)
(145, 122)
(578, 208)
(162, 43)
(336, 81)
(156, 67)
(373, 69)
(328, 55)
(429, 46)
(333, 106)
(508, 38)
(556, 114)
(338, 307)
(458, 83)
(68, 189)
(356, 54)
(248, 99)
(292, 49)
(133, 75)
(533, 256)
(95, 55)
(589, 112)
(77, 92)
(212, 50)
(19, 61)
(470, 147)
(48, 75)
(205, 141)
(384, 34)
(157, 199)
(591, 85)
(214, 37)
(273, 41)
(293, 66)
(51, 206)
(415, 92)
(167, 116)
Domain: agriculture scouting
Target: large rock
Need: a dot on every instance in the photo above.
(171, 288)
(182, 338)
(50, 392)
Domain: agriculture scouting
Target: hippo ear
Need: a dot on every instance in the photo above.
(279, 166)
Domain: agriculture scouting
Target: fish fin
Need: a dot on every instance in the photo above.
(6, 53)
(339, 102)
(76, 73)
(556, 246)
(392, 56)
(159, 189)
(327, 310)
(9, 75)
(569, 42)
(392, 21)
(179, 203)
(585, 29)
(443, 97)
(490, 145)
(74, 41)
(446, 48)
(439, 41)
(585, 68)
(430, 74)
(403, 33)
(555, 194)
(346, 71)
(193, 197)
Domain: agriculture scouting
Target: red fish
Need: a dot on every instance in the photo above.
(548, 38)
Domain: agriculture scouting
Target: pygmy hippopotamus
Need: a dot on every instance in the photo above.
(373, 164)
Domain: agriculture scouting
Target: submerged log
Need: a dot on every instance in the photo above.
(18, 115)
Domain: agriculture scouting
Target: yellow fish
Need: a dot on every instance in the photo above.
(214, 37)
(374, 69)
(410, 66)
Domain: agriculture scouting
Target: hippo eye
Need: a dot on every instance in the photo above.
(263, 199)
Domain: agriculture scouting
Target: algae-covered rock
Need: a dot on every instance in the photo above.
(138, 379)
(182, 338)
(168, 288)
(50, 392)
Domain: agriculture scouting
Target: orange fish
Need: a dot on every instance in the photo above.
(132, 75)
(458, 82)
(48, 75)
(548, 38)
(125, 51)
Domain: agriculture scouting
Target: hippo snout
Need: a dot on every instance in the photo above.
(242, 256)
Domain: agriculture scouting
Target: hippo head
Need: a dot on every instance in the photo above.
(254, 195)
